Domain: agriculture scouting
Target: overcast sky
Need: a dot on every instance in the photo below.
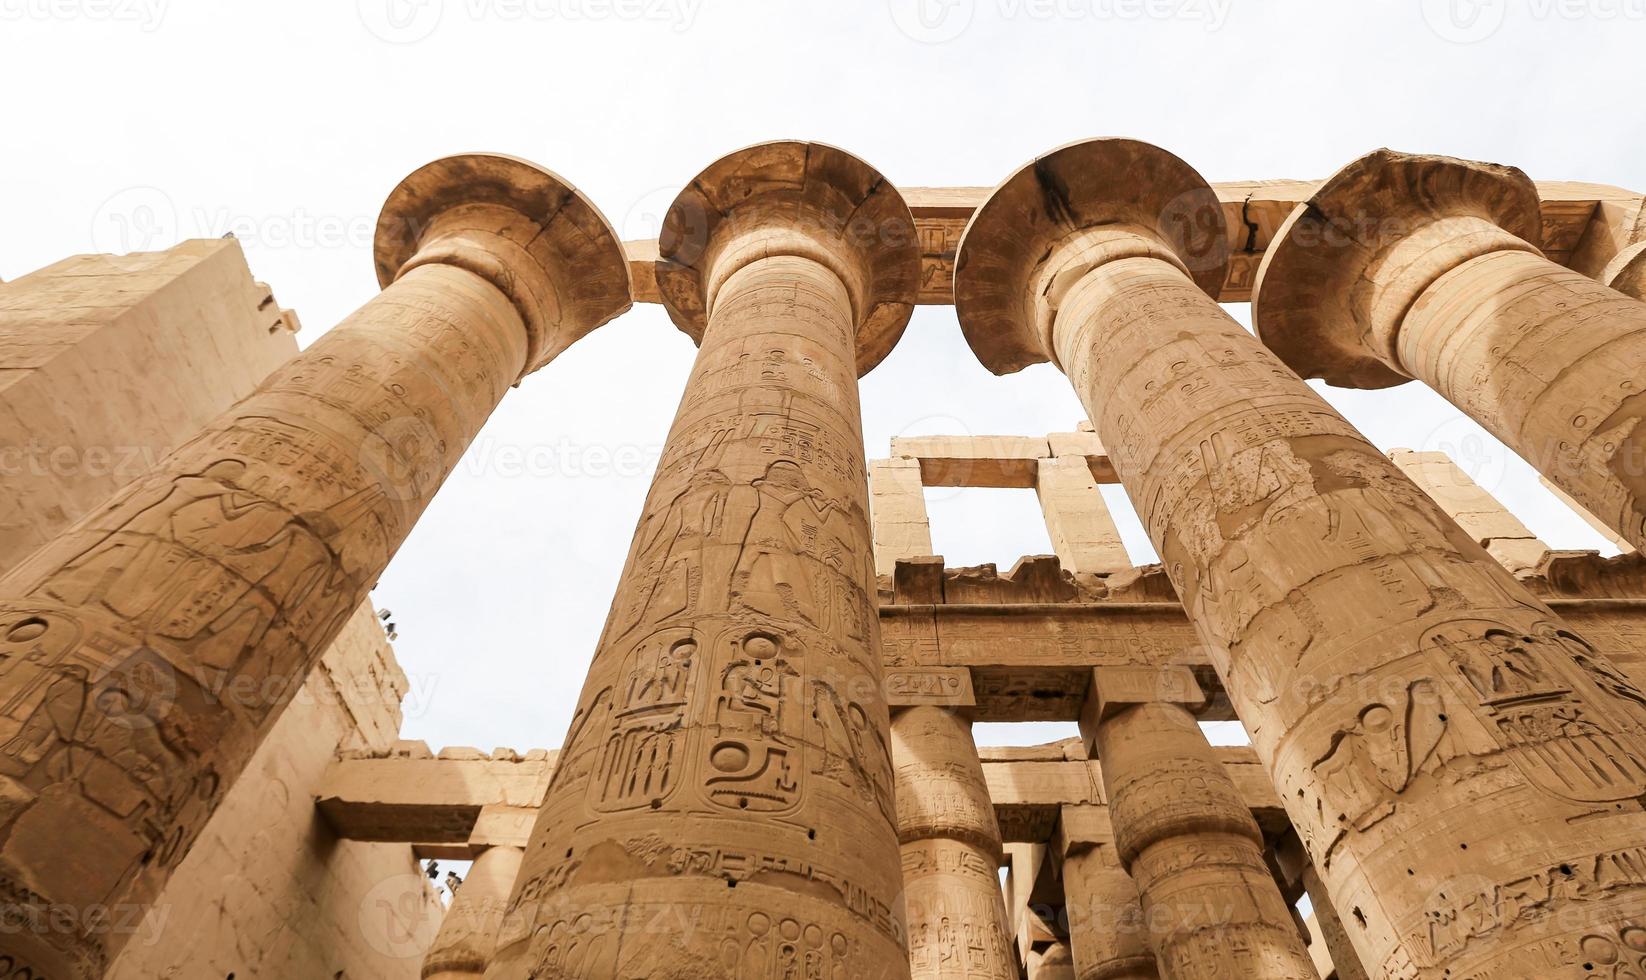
(130, 124)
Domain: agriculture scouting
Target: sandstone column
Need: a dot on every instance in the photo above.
(723, 802)
(1184, 834)
(1437, 733)
(951, 850)
(146, 650)
(468, 934)
(1426, 267)
(1108, 934)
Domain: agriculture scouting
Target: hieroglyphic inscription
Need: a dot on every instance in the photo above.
(732, 731)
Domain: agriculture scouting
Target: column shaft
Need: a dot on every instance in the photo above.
(149, 646)
(1212, 908)
(951, 850)
(723, 801)
(1548, 360)
(1107, 931)
(468, 934)
(146, 651)
(1399, 685)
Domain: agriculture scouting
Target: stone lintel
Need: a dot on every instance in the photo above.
(415, 798)
(975, 461)
(1584, 226)
(458, 807)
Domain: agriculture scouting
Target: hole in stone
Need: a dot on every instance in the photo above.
(1566, 870)
(811, 835)
(1360, 917)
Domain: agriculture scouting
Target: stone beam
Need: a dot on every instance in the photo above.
(437, 802)
(1030, 638)
(457, 803)
(1584, 226)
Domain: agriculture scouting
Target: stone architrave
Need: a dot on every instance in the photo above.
(723, 804)
(951, 850)
(1441, 739)
(468, 934)
(1184, 834)
(1404, 266)
(146, 650)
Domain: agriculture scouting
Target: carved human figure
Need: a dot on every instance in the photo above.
(144, 652)
(1401, 776)
(951, 850)
(748, 828)
(1407, 266)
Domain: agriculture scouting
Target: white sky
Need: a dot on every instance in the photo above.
(132, 123)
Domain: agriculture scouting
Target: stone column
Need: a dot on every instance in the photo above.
(468, 934)
(723, 803)
(1405, 266)
(1107, 932)
(147, 649)
(1332, 932)
(951, 850)
(1435, 731)
(1626, 273)
(898, 513)
(1082, 532)
(1184, 834)
(1480, 515)
(1055, 962)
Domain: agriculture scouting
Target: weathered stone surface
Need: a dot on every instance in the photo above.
(951, 850)
(1407, 266)
(1398, 684)
(149, 647)
(897, 505)
(1584, 226)
(107, 363)
(1187, 838)
(1083, 534)
(1108, 934)
(724, 797)
(468, 934)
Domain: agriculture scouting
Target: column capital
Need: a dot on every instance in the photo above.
(1626, 273)
(1348, 263)
(793, 198)
(1065, 213)
(518, 226)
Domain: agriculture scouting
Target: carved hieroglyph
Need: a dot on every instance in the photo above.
(951, 850)
(723, 803)
(1463, 766)
(1181, 829)
(468, 933)
(145, 651)
(1404, 266)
